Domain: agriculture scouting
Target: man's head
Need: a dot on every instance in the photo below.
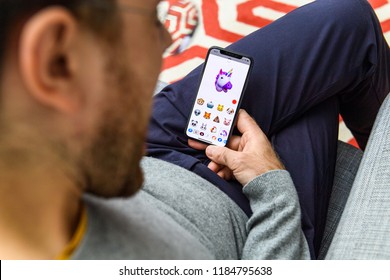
(76, 84)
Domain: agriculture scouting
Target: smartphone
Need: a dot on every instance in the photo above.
(222, 85)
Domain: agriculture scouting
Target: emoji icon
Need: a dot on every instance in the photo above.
(207, 115)
(234, 101)
(210, 105)
(213, 129)
(201, 134)
(200, 101)
(204, 126)
(223, 133)
(219, 139)
(230, 111)
(227, 121)
(222, 82)
(197, 112)
(194, 123)
(214, 138)
(190, 130)
(216, 119)
(220, 107)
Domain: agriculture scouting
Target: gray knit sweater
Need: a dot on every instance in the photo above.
(179, 215)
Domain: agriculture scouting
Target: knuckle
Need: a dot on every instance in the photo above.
(237, 161)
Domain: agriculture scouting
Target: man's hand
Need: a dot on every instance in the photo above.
(246, 156)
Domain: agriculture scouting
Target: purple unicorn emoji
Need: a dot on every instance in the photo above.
(222, 82)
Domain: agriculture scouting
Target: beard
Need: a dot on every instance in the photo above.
(111, 162)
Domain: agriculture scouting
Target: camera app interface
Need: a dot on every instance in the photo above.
(218, 98)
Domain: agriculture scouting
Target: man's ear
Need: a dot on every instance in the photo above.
(46, 59)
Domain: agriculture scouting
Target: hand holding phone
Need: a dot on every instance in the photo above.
(221, 88)
(247, 157)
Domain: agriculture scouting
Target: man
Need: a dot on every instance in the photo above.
(75, 102)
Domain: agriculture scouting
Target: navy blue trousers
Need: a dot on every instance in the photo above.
(322, 59)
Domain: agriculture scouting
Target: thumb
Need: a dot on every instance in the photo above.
(220, 155)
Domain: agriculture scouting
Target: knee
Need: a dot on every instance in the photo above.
(345, 15)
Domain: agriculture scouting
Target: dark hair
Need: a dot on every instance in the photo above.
(98, 15)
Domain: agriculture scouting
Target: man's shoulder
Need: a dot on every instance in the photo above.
(187, 193)
(162, 176)
(197, 205)
(131, 228)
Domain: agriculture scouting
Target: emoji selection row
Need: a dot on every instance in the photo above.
(211, 105)
(226, 122)
(204, 132)
(204, 126)
(217, 119)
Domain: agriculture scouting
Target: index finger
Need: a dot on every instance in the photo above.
(245, 123)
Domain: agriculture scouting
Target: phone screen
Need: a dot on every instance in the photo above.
(219, 96)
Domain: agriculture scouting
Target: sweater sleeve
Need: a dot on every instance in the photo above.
(275, 226)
